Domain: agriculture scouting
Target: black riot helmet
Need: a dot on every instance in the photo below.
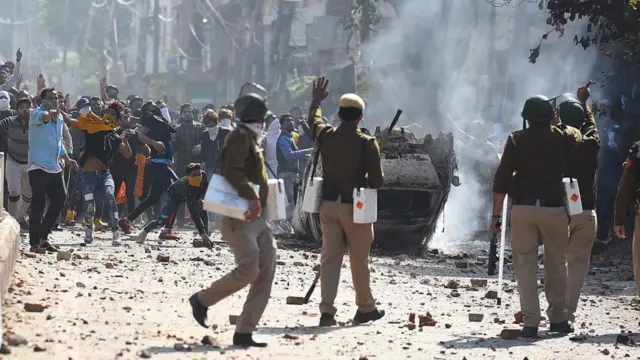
(538, 109)
(251, 105)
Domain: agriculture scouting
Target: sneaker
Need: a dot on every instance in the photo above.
(362, 318)
(125, 225)
(88, 235)
(142, 236)
(99, 224)
(70, 218)
(168, 235)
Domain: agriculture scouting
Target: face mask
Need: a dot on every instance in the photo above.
(49, 104)
(4, 104)
(225, 123)
(213, 131)
(257, 129)
(194, 180)
(109, 120)
(187, 117)
(300, 130)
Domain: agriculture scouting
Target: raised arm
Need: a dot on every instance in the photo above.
(320, 92)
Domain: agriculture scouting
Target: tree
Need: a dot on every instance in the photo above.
(610, 23)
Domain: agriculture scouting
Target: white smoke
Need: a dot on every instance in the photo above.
(470, 60)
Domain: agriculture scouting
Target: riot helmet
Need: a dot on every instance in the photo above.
(251, 104)
(538, 109)
(572, 113)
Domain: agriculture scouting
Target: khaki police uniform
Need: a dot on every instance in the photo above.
(252, 242)
(626, 200)
(348, 158)
(531, 171)
(583, 165)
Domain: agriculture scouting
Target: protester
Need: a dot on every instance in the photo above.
(188, 135)
(213, 141)
(101, 143)
(45, 172)
(190, 190)
(16, 130)
(270, 145)
(156, 132)
(287, 154)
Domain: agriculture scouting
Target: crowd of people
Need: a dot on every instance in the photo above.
(116, 160)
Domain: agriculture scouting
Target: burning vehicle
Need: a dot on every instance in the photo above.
(418, 174)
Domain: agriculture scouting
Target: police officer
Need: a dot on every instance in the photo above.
(250, 240)
(628, 198)
(349, 159)
(574, 113)
(531, 171)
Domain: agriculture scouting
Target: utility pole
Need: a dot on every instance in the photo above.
(156, 37)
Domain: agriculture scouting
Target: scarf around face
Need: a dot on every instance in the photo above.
(92, 123)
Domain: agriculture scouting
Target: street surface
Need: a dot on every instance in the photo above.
(118, 301)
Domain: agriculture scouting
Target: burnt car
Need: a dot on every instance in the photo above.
(418, 174)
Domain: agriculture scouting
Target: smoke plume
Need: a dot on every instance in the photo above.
(469, 60)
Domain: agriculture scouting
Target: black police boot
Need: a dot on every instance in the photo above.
(362, 318)
(198, 310)
(562, 327)
(327, 320)
(529, 332)
(246, 340)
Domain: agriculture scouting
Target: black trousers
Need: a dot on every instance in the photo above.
(45, 186)
(161, 176)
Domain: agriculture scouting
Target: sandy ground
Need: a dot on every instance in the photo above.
(115, 300)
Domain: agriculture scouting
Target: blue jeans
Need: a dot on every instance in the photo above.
(95, 184)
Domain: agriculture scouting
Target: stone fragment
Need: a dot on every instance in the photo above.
(15, 340)
(210, 341)
(510, 334)
(479, 282)
(29, 307)
(491, 294)
(163, 258)
(290, 337)
(476, 317)
(29, 255)
(144, 354)
(461, 264)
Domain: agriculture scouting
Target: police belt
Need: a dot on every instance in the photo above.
(538, 202)
(337, 198)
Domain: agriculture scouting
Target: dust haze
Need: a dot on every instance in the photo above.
(469, 60)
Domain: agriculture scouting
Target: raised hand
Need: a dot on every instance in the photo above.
(41, 83)
(103, 83)
(320, 89)
(18, 55)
